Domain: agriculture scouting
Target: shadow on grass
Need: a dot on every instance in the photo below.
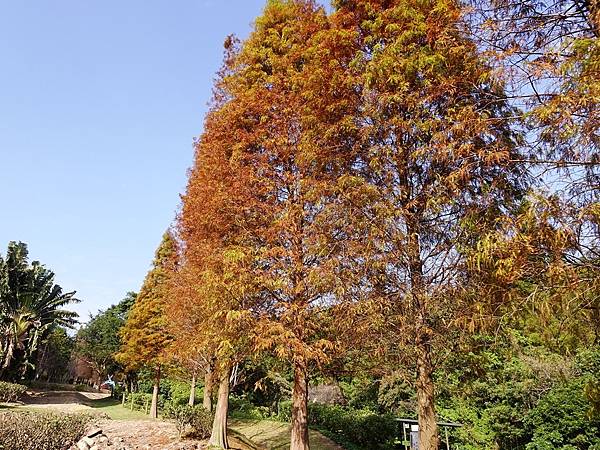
(54, 398)
(269, 434)
(103, 402)
(114, 409)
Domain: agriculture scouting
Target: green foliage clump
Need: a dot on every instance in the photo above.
(172, 390)
(99, 339)
(54, 357)
(141, 401)
(10, 392)
(201, 422)
(363, 428)
(241, 407)
(196, 417)
(560, 420)
(361, 393)
(178, 392)
(284, 411)
(41, 431)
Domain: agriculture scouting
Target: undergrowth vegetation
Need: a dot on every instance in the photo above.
(196, 417)
(41, 431)
(10, 392)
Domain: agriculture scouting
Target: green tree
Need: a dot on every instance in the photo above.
(99, 340)
(54, 357)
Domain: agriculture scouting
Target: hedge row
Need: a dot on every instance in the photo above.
(41, 431)
(360, 427)
(10, 392)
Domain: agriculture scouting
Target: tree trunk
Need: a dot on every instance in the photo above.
(208, 387)
(428, 429)
(10, 349)
(300, 408)
(193, 391)
(154, 406)
(218, 437)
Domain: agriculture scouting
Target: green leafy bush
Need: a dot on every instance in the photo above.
(363, 428)
(142, 401)
(10, 392)
(284, 411)
(175, 391)
(560, 420)
(197, 417)
(201, 423)
(180, 414)
(178, 392)
(41, 431)
(242, 408)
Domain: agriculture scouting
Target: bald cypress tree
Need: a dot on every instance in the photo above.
(435, 170)
(145, 334)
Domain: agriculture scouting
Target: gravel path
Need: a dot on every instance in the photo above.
(145, 434)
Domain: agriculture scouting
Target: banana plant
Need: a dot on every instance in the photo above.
(30, 305)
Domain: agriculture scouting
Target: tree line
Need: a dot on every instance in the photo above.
(377, 188)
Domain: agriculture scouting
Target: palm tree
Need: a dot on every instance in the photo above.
(31, 304)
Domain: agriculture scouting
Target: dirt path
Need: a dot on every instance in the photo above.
(64, 401)
(145, 434)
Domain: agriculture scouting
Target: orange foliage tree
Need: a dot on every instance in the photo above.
(260, 222)
(436, 170)
(145, 335)
(213, 298)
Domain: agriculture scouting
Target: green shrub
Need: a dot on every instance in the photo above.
(284, 411)
(197, 417)
(242, 408)
(180, 414)
(202, 422)
(363, 428)
(41, 431)
(142, 401)
(560, 420)
(178, 392)
(10, 392)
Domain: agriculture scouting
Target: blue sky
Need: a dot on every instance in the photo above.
(99, 105)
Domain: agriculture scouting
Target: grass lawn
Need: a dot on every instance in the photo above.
(276, 435)
(113, 409)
